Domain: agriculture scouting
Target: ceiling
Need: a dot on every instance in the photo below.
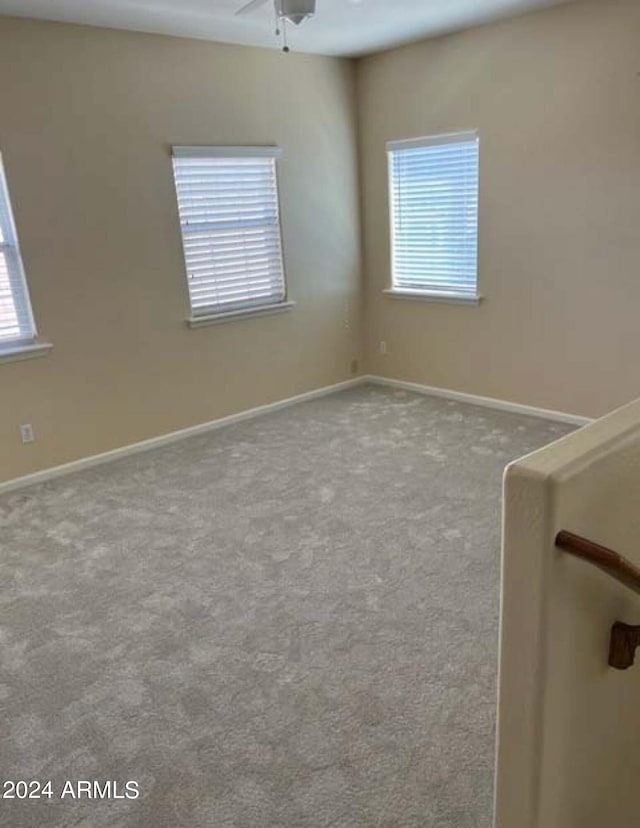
(341, 27)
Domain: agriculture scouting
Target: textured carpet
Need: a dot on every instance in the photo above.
(289, 622)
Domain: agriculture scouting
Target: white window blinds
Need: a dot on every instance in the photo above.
(230, 222)
(16, 320)
(433, 186)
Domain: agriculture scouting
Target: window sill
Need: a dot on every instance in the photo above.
(243, 313)
(15, 353)
(433, 296)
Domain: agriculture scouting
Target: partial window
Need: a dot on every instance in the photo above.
(17, 328)
(230, 222)
(433, 185)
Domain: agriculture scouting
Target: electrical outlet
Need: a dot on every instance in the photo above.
(382, 348)
(26, 433)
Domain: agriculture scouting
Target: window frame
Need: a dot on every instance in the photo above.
(25, 344)
(429, 292)
(215, 313)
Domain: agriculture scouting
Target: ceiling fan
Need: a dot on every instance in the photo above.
(286, 11)
(295, 11)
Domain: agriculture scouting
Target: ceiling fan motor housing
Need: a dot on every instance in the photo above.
(296, 10)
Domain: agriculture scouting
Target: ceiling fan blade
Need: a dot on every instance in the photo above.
(251, 6)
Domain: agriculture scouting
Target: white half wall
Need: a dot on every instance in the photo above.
(568, 725)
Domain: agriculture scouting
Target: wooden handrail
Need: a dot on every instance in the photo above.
(625, 639)
(607, 560)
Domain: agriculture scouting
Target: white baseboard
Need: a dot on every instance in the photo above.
(172, 437)
(485, 402)
(249, 414)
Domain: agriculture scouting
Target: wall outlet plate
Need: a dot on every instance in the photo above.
(26, 433)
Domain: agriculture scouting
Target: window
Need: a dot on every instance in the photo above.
(17, 328)
(433, 185)
(230, 222)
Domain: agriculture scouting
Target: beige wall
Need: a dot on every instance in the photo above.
(568, 724)
(88, 117)
(555, 97)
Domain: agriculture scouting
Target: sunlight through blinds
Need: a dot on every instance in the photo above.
(434, 214)
(16, 321)
(230, 222)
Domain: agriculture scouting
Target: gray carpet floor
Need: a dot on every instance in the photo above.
(288, 623)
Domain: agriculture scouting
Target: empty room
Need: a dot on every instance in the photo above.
(319, 431)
